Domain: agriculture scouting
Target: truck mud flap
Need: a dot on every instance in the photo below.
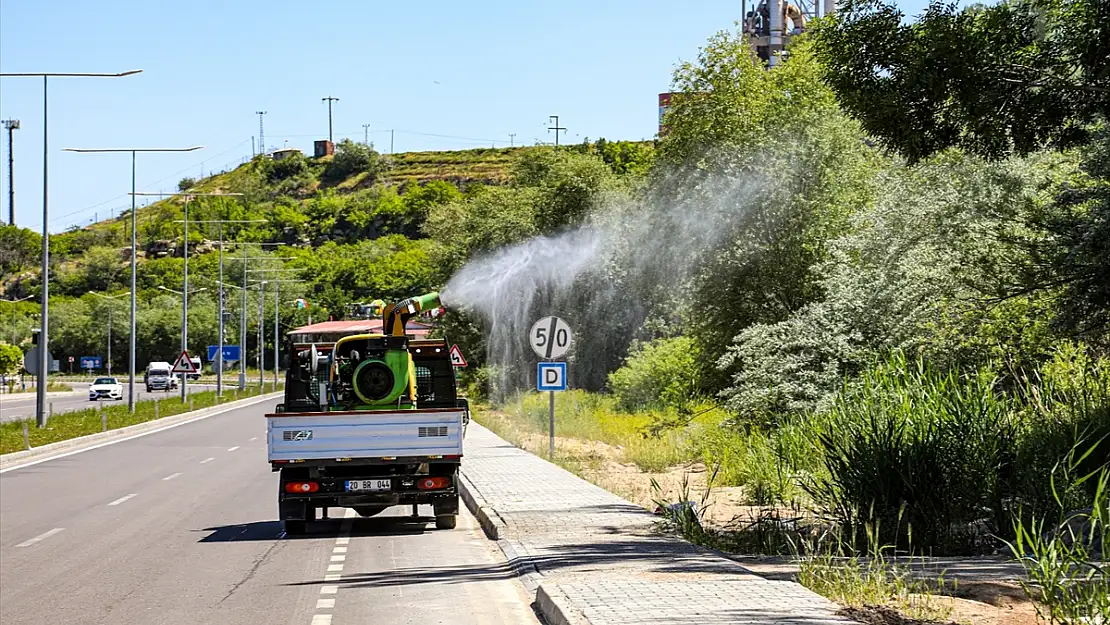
(292, 510)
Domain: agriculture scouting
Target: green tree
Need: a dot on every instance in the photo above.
(19, 248)
(663, 372)
(774, 170)
(10, 358)
(352, 158)
(1013, 76)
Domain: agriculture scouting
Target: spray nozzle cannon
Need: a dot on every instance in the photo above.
(395, 316)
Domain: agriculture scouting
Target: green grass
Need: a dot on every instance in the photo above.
(76, 423)
(51, 387)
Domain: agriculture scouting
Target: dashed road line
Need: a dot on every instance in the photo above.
(42, 536)
(171, 476)
(123, 499)
(233, 448)
(335, 569)
(253, 438)
(207, 460)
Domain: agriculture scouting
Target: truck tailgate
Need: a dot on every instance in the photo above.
(330, 435)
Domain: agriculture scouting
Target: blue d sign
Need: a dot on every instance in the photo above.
(551, 376)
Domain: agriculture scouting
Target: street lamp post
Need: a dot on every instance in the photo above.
(109, 299)
(133, 151)
(184, 328)
(220, 297)
(44, 339)
(277, 347)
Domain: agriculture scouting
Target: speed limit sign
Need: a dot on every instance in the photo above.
(550, 337)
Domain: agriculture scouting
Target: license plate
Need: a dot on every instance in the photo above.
(375, 486)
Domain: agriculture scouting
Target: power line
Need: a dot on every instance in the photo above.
(556, 128)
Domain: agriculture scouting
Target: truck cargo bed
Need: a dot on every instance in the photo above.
(360, 435)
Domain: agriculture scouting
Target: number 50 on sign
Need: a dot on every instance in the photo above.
(550, 337)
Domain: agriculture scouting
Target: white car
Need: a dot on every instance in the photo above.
(105, 388)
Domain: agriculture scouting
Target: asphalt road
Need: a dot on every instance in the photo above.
(179, 527)
(22, 405)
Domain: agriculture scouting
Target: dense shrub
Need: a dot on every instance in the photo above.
(289, 167)
(663, 372)
(352, 158)
(915, 454)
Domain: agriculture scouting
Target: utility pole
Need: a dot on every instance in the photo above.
(329, 100)
(557, 128)
(366, 134)
(512, 139)
(261, 133)
(11, 125)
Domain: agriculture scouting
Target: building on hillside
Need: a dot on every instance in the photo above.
(332, 331)
(322, 148)
(277, 155)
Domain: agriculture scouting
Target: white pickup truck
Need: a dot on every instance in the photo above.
(368, 422)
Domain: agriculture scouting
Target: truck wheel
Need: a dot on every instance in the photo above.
(446, 522)
(293, 528)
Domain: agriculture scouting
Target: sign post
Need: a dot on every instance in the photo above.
(183, 365)
(550, 338)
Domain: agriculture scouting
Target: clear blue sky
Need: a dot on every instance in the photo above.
(478, 70)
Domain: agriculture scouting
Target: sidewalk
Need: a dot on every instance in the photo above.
(594, 558)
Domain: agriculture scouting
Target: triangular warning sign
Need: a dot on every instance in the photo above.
(457, 359)
(183, 364)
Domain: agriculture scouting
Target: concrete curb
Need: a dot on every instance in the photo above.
(554, 606)
(551, 602)
(17, 457)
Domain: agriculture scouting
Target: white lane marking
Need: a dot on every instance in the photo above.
(342, 540)
(207, 460)
(42, 536)
(128, 438)
(338, 558)
(321, 619)
(233, 448)
(339, 550)
(123, 499)
(329, 589)
(170, 477)
(335, 568)
(331, 577)
(252, 439)
(325, 604)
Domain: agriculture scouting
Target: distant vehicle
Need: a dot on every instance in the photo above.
(197, 366)
(105, 388)
(157, 377)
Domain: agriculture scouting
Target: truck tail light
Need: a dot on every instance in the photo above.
(433, 483)
(301, 487)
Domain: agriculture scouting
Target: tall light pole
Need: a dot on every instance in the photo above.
(133, 151)
(185, 259)
(11, 125)
(44, 338)
(109, 299)
(184, 328)
(277, 283)
(329, 100)
(220, 297)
